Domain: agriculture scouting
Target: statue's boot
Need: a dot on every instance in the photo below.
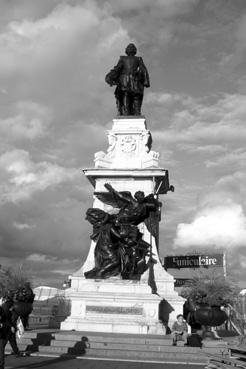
(137, 103)
(126, 104)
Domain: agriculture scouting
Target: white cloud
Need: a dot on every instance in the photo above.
(202, 120)
(235, 159)
(239, 50)
(44, 38)
(207, 149)
(59, 61)
(30, 45)
(30, 121)
(23, 177)
(23, 226)
(55, 103)
(36, 257)
(243, 262)
(164, 8)
(162, 98)
(219, 226)
(237, 178)
(41, 258)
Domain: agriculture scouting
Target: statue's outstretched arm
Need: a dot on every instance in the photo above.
(118, 195)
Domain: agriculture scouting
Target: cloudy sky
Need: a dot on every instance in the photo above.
(55, 108)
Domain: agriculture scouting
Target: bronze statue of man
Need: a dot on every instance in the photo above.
(130, 76)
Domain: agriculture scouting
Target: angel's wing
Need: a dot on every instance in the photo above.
(113, 199)
(152, 221)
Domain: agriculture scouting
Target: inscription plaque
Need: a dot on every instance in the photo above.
(114, 310)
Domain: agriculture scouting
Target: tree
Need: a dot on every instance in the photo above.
(12, 279)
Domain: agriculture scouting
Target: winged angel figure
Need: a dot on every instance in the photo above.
(120, 248)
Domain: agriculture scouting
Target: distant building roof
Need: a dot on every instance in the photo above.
(45, 292)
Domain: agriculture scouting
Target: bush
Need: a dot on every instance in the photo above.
(210, 289)
(13, 281)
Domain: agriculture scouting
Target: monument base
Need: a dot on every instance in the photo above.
(113, 305)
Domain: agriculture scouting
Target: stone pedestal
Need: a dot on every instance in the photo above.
(129, 146)
(115, 305)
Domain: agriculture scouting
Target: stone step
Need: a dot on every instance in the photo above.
(111, 345)
(24, 341)
(108, 347)
(29, 335)
(152, 348)
(78, 346)
(53, 350)
(148, 355)
(108, 338)
(124, 354)
(31, 340)
(112, 337)
(126, 339)
(22, 347)
(63, 343)
(116, 346)
(105, 339)
(136, 347)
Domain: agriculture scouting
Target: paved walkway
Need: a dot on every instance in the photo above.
(33, 362)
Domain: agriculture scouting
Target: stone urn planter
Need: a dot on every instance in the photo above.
(210, 315)
(206, 294)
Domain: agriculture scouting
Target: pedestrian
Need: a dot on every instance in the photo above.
(179, 330)
(29, 299)
(5, 329)
(11, 323)
(24, 298)
(3, 336)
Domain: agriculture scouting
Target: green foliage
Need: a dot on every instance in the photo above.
(12, 280)
(63, 306)
(210, 289)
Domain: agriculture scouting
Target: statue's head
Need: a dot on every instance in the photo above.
(139, 196)
(96, 216)
(131, 50)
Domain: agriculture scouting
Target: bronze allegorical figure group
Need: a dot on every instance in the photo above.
(120, 249)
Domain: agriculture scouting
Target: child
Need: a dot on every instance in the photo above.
(179, 330)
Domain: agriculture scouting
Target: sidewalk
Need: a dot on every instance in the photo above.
(73, 363)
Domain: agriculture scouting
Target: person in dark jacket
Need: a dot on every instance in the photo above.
(5, 328)
(24, 295)
(11, 323)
